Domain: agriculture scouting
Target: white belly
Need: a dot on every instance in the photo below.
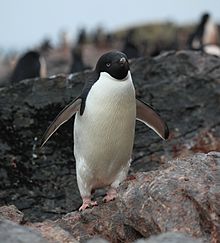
(104, 134)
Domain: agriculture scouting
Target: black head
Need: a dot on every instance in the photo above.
(114, 63)
(204, 18)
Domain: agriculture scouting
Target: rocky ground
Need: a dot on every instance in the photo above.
(183, 197)
(178, 195)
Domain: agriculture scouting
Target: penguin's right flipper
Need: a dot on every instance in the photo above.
(61, 118)
(147, 115)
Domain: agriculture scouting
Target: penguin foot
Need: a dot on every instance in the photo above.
(111, 195)
(87, 202)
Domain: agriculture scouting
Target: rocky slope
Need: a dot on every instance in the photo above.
(183, 197)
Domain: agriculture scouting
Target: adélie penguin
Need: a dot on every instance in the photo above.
(104, 127)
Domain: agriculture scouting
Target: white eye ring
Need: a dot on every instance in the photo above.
(108, 64)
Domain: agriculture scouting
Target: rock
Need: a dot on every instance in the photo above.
(53, 232)
(11, 213)
(97, 240)
(49, 230)
(13, 233)
(183, 86)
(170, 237)
(183, 197)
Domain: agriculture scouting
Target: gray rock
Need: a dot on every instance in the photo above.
(169, 237)
(13, 233)
(184, 197)
(97, 240)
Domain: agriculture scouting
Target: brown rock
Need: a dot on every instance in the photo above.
(11, 232)
(53, 232)
(11, 213)
(184, 197)
(169, 237)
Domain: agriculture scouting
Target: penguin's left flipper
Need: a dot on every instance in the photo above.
(149, 117)
(61, 118)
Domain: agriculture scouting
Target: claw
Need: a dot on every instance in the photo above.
(111, 195)
(87, 202)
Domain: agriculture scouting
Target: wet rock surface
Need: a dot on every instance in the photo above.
(183, 86)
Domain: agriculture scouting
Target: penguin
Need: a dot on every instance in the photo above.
(205, 37)
(130, 48)
(30, 65)
(77, 64)
(105, 116)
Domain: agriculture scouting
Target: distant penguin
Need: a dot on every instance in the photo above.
(82, 37)
(77, 64)
(106, 113)
(46, 46)
(195, 40)
(129, 47)
(30, 65)
(99, 37)
(205, 37)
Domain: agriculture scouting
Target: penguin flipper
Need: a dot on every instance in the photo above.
(61, 118)
(149, 117)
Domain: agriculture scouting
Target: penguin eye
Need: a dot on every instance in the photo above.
(108, 64)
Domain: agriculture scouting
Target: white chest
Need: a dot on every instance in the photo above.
(104, 134)
(110, 106)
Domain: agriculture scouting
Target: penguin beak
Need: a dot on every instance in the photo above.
(122, 61)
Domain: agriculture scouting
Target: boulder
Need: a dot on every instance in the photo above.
(11, 217)
(13, 233)
(53, 232)
(11, 213)
(178, 203)
(183, 197)
(170, 237)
